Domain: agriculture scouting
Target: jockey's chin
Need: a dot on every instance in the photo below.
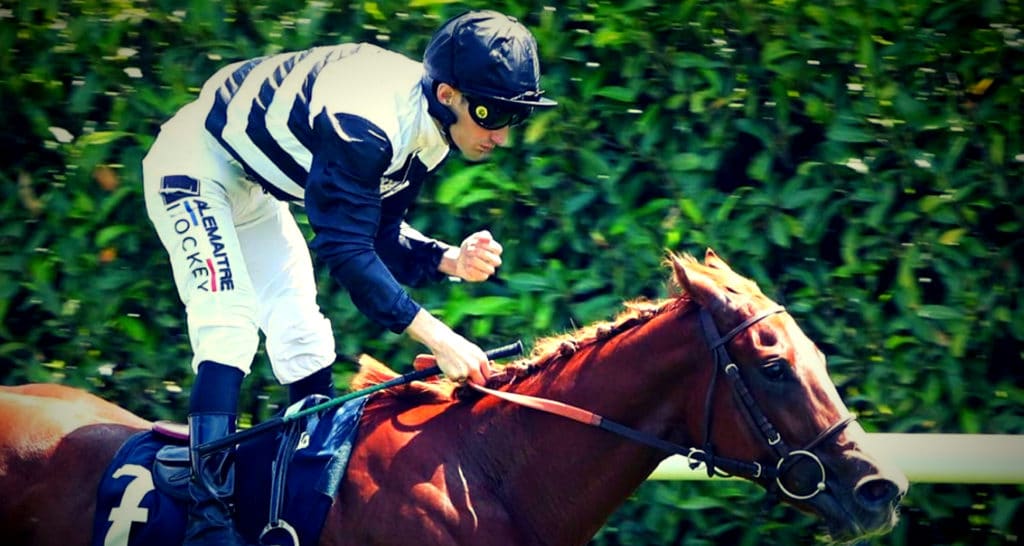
(478, 155)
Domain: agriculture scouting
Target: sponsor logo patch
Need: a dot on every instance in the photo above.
(201, 243)
(176, 187)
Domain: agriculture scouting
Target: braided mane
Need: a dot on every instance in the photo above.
(552, 348)
(545, 351)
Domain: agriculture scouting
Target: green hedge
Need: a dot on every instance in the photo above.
(861, 160)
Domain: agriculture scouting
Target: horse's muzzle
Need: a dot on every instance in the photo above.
(879, 493)
(871, 508)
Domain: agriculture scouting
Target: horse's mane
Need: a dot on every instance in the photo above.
(545, 350)
(551, 348)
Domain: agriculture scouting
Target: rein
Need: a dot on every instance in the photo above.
(294, 412)
(576, 413)
(715, 464)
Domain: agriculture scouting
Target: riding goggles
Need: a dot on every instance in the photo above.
(493, 115)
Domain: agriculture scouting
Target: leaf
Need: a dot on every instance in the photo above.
(486, 306)
(474, 196)
(761, 167)
(108, 235)
(896, 342)
(939, 312)
(692, 211)
(430, 3)
(844, 132)
(527, 282)
(453, 188)
(952, 237)
(913, 110)
(100, 137)
(685, 162)
(698, 502)
(133, 327)
(617, 93)
(775, 50)
(536, 128)
(694, 60)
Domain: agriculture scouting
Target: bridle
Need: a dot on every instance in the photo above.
(785, 455)
(715, 464)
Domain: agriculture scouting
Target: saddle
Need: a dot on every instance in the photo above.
(172, 470)
(285, 481)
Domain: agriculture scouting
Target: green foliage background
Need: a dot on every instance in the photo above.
(861, 159)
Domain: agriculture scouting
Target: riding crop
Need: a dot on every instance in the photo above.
(505, 351)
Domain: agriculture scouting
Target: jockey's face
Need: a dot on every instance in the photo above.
(475, 142)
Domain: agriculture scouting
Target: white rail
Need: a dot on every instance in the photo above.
(924, 458)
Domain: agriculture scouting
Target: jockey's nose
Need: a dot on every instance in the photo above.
(500, 136)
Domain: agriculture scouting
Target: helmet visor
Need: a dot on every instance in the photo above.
(493, 115)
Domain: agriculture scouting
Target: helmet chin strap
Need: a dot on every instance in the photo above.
(441, 113)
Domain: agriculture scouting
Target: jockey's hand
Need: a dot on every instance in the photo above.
(477, 257)
(459, 359)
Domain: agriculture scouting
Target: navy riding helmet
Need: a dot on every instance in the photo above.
(492, 59)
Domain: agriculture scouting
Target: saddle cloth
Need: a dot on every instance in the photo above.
(133, 510)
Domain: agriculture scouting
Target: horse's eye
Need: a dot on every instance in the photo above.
(775, 370)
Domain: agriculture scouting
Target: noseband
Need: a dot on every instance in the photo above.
(716, 464)
(785, 455)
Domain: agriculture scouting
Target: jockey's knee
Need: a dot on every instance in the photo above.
(222, 328)
(299, 344)
(227, 343)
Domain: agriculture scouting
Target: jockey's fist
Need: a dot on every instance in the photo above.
(478, 257)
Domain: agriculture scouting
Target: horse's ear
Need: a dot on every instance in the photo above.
(711, 259)
(703, 288)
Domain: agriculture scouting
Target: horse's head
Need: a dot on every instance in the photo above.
(799, 440)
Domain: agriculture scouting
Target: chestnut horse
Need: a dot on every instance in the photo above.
(443, 466)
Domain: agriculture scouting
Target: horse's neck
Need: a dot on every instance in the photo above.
(566, 478)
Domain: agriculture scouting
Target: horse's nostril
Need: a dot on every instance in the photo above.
(875, 493)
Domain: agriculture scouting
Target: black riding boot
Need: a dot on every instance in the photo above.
(319, 382)
(212, 483)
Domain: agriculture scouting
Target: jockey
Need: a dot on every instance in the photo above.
(350, 132)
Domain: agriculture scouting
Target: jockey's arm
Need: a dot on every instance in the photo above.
(344, 208)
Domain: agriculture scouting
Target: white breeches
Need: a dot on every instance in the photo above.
(240, 261)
